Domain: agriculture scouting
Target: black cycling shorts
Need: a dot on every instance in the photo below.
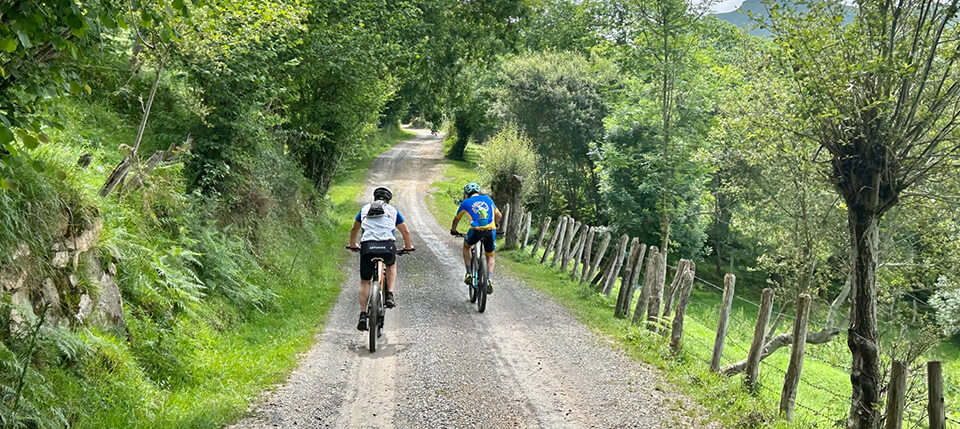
(386, 250)
(486, 236)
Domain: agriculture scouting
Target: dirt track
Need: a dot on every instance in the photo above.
(526, 362)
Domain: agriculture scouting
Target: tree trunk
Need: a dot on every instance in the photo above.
(862, 335)
(463, 128)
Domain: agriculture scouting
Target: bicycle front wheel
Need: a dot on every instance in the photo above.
(474, 263)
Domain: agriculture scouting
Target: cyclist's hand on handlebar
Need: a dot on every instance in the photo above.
(405, 251)
(353, 249)
(456, 233)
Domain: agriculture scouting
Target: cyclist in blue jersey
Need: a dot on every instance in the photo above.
(375, 225)
(484, 217)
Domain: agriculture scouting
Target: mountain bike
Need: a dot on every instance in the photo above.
(477, 290)
(376, 311)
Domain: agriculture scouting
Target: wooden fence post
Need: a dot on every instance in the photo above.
(587, 253)
(729, 284)
(598, 257)
(674, 287)
(653, 255)
(756, 347)
(896, 396)
(935, 411)
(788, 396)
(656, 292)
(676, 336)
(625, 284)
(688, 266)
(615, 268)
(540, 235)
(628, 263)
(567, 251)
(564, 233)
(634, 277)
(505, 225)
(578, 253)
(553, 239)
(514, 228)
(526, 230)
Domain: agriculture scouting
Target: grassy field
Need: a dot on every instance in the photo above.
(823, 393)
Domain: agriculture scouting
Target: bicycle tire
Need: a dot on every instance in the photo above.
(481, 283)
(472, 288)
(373, 315)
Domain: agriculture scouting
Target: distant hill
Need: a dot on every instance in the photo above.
(741, 16)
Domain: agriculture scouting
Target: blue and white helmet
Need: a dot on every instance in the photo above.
(471, 188)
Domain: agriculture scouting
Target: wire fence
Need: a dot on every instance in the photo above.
(740, 331)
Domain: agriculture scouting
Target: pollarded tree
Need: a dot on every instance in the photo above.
(882, 99)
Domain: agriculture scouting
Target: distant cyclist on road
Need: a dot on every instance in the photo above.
(376, 223)
(484, 217)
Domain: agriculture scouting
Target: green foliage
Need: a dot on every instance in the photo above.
(632, 170)
(557, 100)
(505, 155)
(946, 302)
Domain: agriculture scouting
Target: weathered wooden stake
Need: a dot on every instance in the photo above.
(564, 233)
(676, 336)
(628, 264)
(625, 284)
(656, 292)
(935, 410)
(553, 240)
(598, 256)
(759, 330)
(674, 287)
(788, 396)
(526, 230)
(543, 232)
(578, 252)
(587, 254)
(567, 251)
(648, 275)
(634, 277)
(505, 224)
(729, 284)
(896, 396)
(615, 268)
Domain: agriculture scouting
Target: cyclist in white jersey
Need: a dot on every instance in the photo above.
(376, 223)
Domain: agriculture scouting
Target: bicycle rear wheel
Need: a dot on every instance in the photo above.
(481, 282)
(373, 315)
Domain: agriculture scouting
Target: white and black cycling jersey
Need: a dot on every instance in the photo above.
(378, 221)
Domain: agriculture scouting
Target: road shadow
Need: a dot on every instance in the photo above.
(385, 348)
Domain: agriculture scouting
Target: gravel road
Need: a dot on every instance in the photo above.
(526, 362)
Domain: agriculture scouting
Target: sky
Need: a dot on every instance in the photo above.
(726, 6)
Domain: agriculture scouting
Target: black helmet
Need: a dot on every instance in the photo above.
(383, 193)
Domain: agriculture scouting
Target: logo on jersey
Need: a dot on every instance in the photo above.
(481, 209)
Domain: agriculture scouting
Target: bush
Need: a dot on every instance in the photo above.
(508, 154)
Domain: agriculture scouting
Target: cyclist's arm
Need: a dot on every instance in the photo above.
(497, 215)
(456, 220)
(407, 244)
(353, 234)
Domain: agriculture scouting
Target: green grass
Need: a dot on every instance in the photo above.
(724, 397)
(186, 359)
